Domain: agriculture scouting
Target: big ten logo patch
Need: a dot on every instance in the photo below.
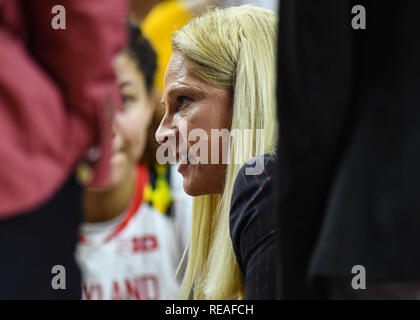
(135, 245)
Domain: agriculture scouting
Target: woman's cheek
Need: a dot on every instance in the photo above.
(139, 138)
(134, 134)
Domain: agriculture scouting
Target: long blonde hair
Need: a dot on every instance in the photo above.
(232, 48)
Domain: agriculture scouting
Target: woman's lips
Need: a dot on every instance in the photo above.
(182, 160)
(181, 167)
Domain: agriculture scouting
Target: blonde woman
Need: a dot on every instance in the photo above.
(221, 76)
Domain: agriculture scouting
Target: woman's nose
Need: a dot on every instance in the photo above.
(163, 133)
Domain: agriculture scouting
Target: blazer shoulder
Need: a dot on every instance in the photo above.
(250, 189)
(251, 201)
(258, 169)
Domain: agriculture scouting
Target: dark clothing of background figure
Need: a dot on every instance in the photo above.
(57, 98)
(349, 144)
(253, 229)
(31, 244)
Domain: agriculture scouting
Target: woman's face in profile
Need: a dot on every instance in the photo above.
(194, 108)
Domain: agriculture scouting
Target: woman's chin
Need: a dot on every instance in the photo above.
(195, 187)
(192, 186)
(190, 190)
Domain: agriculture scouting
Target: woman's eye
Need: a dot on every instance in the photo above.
(127, 100)
(182, 100)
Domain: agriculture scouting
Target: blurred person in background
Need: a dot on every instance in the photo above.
(135, 231)
(57, 98)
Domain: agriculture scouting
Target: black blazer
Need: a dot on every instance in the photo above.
(349, 145)
(253, 229)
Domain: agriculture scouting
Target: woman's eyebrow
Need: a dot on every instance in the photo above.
(188, 89)
(125, 84)
(181, 86)
(175, 89)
